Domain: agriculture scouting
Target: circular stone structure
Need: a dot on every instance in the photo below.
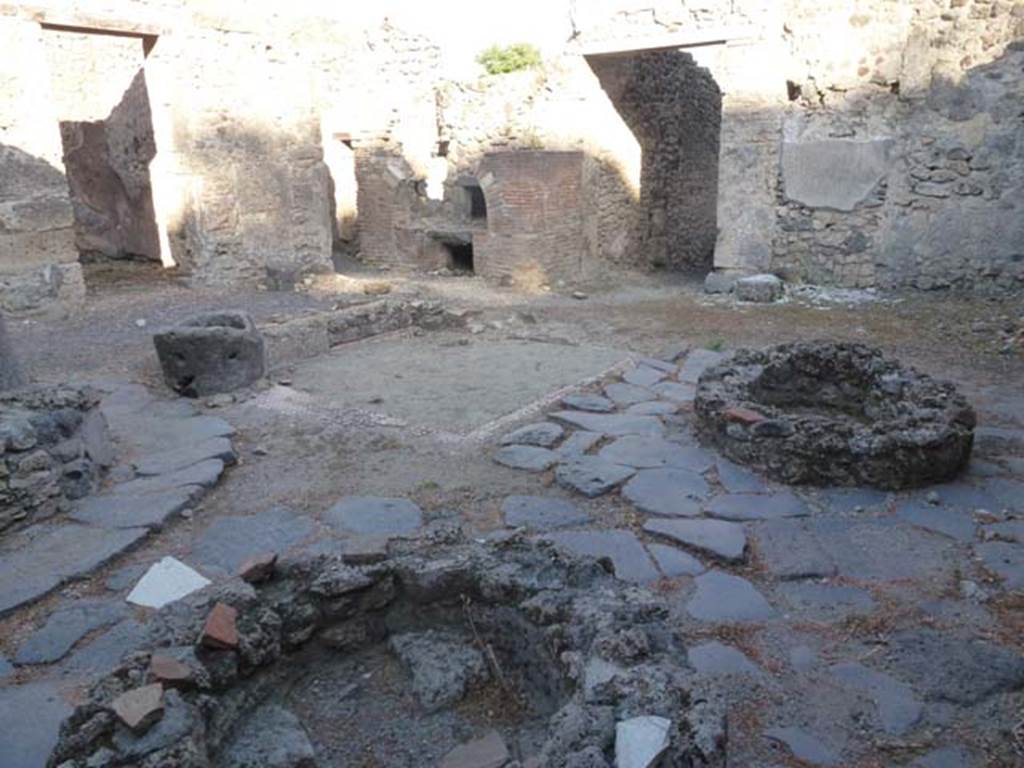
(826, 413)
(588, 660)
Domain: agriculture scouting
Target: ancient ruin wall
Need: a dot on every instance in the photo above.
(534, 217)
(99, 88)
(674, 109)
(906, 109)
(38, 261)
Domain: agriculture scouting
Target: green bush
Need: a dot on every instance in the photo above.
(498, 59)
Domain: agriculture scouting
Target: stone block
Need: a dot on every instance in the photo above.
(833, 173)
(211, 353)
(762, 289)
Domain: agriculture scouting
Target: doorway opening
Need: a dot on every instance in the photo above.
(673, 107)
(460, 257)
(98, 81)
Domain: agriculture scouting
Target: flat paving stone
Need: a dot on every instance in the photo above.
(541, 513)
(847, 500)
(826, 602)
(652, 408)
(591, 476)
(612, 424)
(944, 757)
(884, 550)
(127, 510)
(650, 452)
(159, 434)
(949, 521)
(726, 541)
(644, 376)
(623, 394)
(65, 627)
(203, 475)
(675, 391)
(186, 456)
(1009, 493)
(165, 581)
(756, 506)
(623, 548)
(727, 599)
(590, 403)
(715, 658)
(125, 577)
(31, 714)
(946, 667)
(658, 364)
(543, 434)
(1005, 559)
(104, 653)
(578, 443)
(666, 492)
(737, 479)
(1012, 530)
(958, 495)
(790, 549)
(804, 746)
(374, 516)
(674, 562)
(39, 565)
(229, 541)
(698, 361)
(528, 457)
(898, 708)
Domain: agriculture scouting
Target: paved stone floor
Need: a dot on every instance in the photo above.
(842, 626)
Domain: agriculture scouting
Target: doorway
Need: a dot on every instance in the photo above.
(98, 81)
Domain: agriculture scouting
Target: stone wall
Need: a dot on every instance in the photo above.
(38, 262)
(53, 446)
(922, 93)
(674, 109)
(243, 105)
(99, 88)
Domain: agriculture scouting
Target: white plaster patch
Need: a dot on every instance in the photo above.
(165, 582)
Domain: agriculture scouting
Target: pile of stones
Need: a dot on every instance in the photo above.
(602, 650)
(54, 445)
(829, 413)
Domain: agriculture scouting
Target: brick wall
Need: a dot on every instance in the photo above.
(535, 226)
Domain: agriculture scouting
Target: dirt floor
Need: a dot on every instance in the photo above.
(413, 414)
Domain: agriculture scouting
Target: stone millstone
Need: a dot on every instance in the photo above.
(139, 708)
(212, 353)
(834, 414)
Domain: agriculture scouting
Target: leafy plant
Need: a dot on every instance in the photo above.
(499, 59)
(715, 345)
